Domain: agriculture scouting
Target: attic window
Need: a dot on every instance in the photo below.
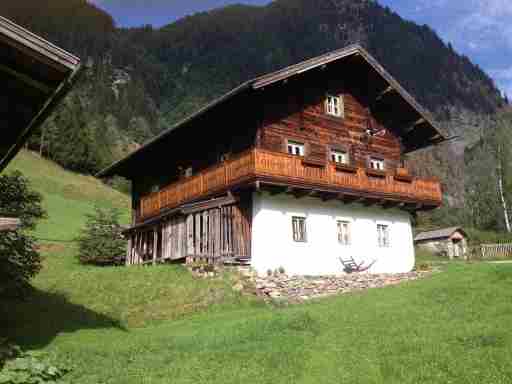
(295, 148)
(334, 106)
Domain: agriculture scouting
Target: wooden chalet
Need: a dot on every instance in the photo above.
(268, 169)
(35, 75)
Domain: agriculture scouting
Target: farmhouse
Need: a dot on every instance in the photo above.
(295, 170)
(35, 75)
(450, 242)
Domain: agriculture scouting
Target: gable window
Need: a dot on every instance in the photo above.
(376, 163)
(383, 238)
(334, 106)
(340, 157)
(343, 232)
(295, 148)
(299, 229)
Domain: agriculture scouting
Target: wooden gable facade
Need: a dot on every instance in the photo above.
(241, 143)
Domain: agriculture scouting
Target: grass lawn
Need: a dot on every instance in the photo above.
(159, 325)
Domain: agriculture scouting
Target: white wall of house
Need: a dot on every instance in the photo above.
(273, 245)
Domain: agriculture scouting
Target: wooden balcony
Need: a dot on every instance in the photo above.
(282, 169)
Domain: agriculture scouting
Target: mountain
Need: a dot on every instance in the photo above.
(140, 81)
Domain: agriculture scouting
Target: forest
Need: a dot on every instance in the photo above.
(140, 81)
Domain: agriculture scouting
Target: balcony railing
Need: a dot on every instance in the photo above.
(258, 164)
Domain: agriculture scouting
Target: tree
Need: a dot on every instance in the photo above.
(19, 259)
(101, 241)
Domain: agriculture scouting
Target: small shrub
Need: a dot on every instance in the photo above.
(101, 241)
(269, 273)
(282, 270)
(19, 259)
(27, 367)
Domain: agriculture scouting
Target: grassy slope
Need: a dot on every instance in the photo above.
(158, 325)
(67, 196)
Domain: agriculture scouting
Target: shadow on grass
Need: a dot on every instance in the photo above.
(35, 321)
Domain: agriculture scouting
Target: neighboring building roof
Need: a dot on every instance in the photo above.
(438, 234)
(431, 134)
(35, 75)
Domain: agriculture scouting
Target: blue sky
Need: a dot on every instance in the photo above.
(480, 29)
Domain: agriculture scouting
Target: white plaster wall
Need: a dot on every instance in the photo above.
(273, 245)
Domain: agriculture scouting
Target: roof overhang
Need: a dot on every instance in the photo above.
(35, 76)
(419, 131)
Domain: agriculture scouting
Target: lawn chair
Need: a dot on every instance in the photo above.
(350, 265)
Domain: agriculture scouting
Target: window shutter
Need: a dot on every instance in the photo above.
(272, 143)
(317, 154)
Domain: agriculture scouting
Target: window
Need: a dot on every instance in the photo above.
(334, 106)
(339, 157)
(343, 232)
(154, 188)
(188, 172)
(383, 235)
(299, 229)
(376, 163)
(295, 148)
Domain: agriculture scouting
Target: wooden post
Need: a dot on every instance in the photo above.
(198, 235)
(129, 251)
(190, 234)
(155, 244)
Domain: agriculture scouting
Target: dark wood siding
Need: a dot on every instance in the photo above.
(296, 111)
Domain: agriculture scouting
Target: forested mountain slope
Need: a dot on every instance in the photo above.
(140, 81)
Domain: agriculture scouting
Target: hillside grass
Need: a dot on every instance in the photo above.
(67, 197)
(159, 325)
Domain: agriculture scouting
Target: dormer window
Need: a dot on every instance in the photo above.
(339, 157)
(376, 163)
(295, 148)
(334, 106)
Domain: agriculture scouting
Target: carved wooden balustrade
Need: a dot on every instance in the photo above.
(267, 166)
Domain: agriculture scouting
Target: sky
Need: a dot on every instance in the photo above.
(479, 29)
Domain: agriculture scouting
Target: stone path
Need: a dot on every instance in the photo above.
(300, 289)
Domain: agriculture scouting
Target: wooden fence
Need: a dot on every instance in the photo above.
(494, 251)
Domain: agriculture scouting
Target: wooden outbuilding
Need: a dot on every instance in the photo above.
(34, 75)
(449, 242)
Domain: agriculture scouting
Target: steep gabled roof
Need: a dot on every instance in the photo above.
(433, 135)
(35, 75)
(438, 234)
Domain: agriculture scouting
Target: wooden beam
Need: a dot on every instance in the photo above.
(368, 202)
(387, 204)
(27, 80)
(413, 126)
(327, 196)
(9, 224)
(385, 92)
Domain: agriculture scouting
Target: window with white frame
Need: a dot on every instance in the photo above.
(299, 229)
(343, 232)
(376, 163)
(383, 235)
(295, 148)
(340, 157)
(334, 106)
